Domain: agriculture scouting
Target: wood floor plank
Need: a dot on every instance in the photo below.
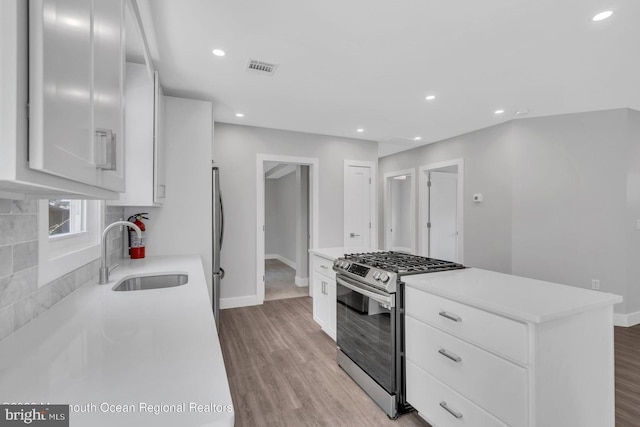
(282, 372)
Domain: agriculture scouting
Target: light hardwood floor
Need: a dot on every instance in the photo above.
(280, 281)
(282, 372)
(627, 345)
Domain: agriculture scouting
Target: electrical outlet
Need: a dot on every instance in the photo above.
(595, 284)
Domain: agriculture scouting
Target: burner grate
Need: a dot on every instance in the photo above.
(402, 263)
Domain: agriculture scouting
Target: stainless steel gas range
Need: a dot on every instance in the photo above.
(370, 321)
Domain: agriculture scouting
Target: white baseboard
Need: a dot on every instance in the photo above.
(302, 281)
(281, 259)
(238, 302)
(626, 320)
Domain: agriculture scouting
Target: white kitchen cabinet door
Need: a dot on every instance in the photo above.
(17, 179)
(144, 131)
(108, 92)
(75, 93)
(159, 166)
(320, 299)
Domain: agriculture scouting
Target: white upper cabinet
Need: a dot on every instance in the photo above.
(76, 60)
(159, 158)
(53, 154)
(144, 123)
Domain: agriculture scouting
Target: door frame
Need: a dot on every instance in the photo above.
(314, 187)
(424, 204)
(387, 207)
(373, 200)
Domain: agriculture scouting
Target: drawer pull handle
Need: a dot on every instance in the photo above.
(450, 355)
(324, 266)
(450, 316)
(456, 414)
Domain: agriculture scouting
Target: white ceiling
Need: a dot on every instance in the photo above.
(370, 63)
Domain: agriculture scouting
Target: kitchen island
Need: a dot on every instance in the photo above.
(133, 358)
(494, 349)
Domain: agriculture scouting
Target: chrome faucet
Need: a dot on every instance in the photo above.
(104, 270)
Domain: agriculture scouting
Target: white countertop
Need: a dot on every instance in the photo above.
(515, 297)
(158, 347)
(333, 253)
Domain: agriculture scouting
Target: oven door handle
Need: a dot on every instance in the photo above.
(386, 301)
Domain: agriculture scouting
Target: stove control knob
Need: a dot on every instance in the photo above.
(336, 263)
(384, 277)
(347, 264)
(376, 275)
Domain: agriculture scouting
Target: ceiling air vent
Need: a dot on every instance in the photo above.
(260, 67)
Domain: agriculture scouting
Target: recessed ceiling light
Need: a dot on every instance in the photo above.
(239, 115)
(359, 130)
(430, 97)
(602, 15)
(417, 138)
(219, 52)
(498, 112)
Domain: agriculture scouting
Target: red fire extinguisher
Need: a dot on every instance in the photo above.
(136, 244)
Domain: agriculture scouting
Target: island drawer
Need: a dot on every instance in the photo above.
(442, 406)
(490, 381)
(501, 335)
(323, 266)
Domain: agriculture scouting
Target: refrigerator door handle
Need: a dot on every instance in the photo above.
(221, 221)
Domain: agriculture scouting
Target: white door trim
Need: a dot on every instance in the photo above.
(387, 207)
(373, 198)
(314, 187)
(423, 202)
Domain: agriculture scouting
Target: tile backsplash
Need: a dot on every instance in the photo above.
(20, 298)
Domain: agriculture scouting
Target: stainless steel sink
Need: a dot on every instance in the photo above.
(143, 283)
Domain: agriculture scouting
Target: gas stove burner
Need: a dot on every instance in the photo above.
(402, 263)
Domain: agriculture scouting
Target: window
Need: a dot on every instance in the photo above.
(67, 217)
(69, 236)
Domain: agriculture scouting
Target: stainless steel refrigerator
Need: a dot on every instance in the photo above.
(218, 235)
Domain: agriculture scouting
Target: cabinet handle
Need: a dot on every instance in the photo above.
(450, 355)
(453, 412)
(353, 235)
(324, 288)
(450, 316)
(324, 266)
(105, 150)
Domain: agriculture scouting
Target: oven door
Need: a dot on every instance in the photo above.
(366, 330)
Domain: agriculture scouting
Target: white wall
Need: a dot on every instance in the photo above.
(281, 200)
(561, 198)
(400, 213)
(182, 225)
(236, 148)
(487, 234)
(569, 199)
(272, 236)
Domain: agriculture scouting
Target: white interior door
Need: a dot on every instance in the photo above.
(443, 214)
(357, 207)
